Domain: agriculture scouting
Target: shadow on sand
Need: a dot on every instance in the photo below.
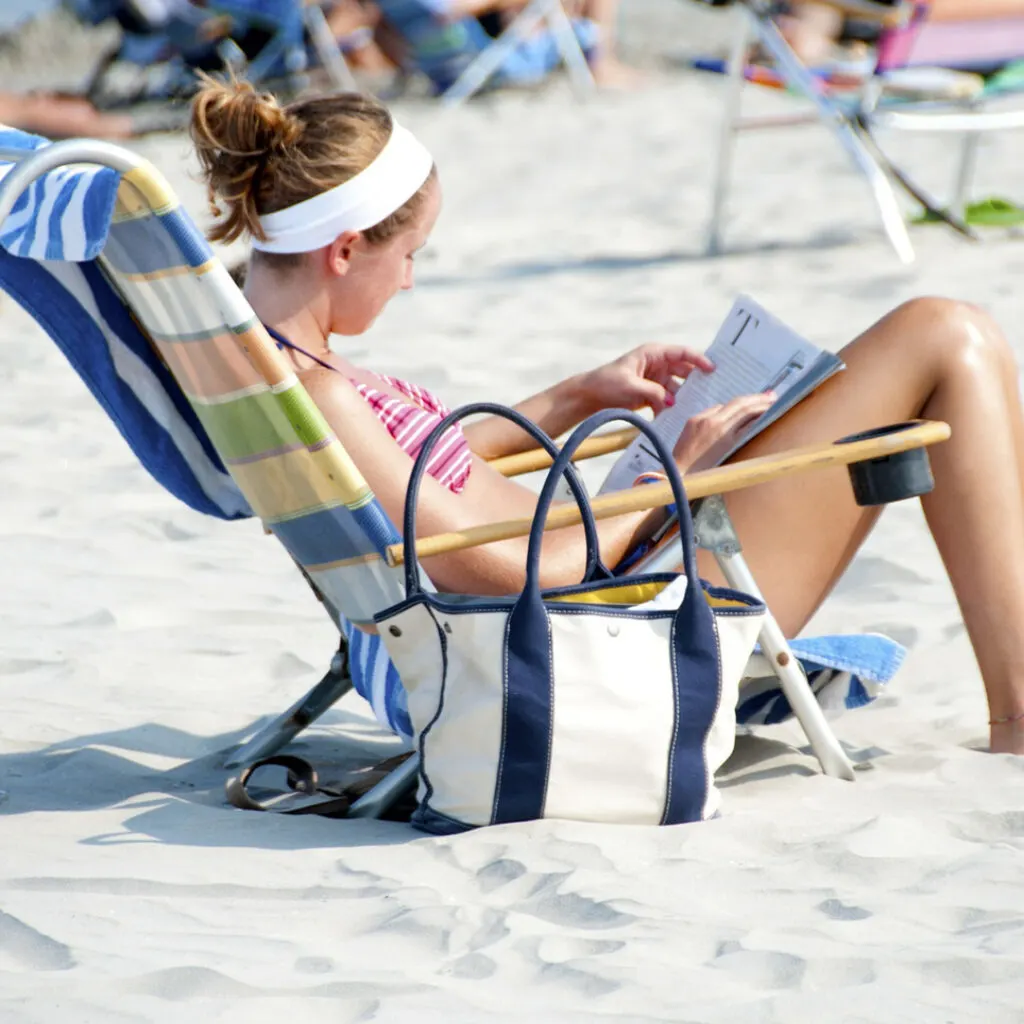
(185, 805)
(824, 241)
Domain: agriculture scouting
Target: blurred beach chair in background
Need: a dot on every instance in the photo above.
(459, 58)
(95, 246)
(910, 88)
(161, 43)
(166, 41)
(293, 30)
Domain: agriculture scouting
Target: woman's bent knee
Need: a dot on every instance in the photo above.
(953, 329)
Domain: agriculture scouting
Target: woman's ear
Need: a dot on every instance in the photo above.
(339, 252)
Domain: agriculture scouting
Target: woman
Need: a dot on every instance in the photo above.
(607, 69)
(62, 117)
(338, 200)
(812, 28)
(441, 38)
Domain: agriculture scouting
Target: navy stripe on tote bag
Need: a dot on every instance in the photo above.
(612, 700)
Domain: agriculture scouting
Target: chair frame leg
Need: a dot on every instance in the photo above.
(379, 800)
(327, 49)
(486, 65)
(732, 109)
(965, 173)
(575, 60)
(270, 739)
(335, 684)
(714, 532)
(797, 77)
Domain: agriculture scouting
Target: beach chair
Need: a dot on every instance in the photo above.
(288, 26)
(264, 39)
(94, 245)
(460, 58)
(907, 41)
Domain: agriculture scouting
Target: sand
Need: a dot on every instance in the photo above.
(140, 641)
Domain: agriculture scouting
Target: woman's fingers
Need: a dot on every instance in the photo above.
(736, 413)
(708, 428)
(675, 360)
(682, 360)
(746, 406)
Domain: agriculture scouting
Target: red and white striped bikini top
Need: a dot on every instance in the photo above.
(409, 423)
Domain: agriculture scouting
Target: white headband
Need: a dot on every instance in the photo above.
(393, 177)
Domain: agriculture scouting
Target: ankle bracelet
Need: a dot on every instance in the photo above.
(1007, 720)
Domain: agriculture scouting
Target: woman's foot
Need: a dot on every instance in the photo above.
(611, 73)
(1007, 737)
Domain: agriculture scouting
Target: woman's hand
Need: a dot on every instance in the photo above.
(647, 376)
(715, 425)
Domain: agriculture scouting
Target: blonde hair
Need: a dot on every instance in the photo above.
(259, 157)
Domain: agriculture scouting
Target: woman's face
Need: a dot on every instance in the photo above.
(376, 273)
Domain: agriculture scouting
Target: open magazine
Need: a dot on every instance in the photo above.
(752, 352)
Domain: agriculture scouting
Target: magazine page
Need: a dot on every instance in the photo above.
(752, 352)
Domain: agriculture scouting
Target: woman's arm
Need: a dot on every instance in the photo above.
(457, 9)
(489, 497)
(555, 410)
(646, 377)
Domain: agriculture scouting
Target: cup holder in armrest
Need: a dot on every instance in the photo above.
(889, 477)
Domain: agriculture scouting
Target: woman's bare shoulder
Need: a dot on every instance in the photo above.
(331, 390)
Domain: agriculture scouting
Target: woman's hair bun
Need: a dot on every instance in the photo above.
(237, 133)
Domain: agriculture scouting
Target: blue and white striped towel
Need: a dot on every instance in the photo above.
(65, 215)
(845, 672)
(48, 246)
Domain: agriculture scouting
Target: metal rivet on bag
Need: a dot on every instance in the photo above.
(448, 628)
(613, 629)
(394, 631)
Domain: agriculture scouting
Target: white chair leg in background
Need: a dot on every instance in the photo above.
(572, 54)
(327, 49)
(484, 67)
(727, 131)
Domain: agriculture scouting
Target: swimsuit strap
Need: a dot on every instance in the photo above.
(283, 342)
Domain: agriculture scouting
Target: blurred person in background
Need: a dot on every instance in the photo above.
(434, 18)
(59, 116)
(813, 28)
(607, 69)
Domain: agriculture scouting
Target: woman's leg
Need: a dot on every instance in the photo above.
(970, 10)
(62, 117)
(935, 359)
(347, 17)
(812, 29)
(605, 63)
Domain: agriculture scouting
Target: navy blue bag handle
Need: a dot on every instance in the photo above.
(520, 789)
(576, 438)
(595, 567)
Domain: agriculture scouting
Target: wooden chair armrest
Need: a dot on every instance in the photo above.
(537, 458)
(721, 480)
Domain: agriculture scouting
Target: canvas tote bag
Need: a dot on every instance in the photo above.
(609, 701)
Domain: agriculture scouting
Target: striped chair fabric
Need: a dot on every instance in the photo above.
(273, 440)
